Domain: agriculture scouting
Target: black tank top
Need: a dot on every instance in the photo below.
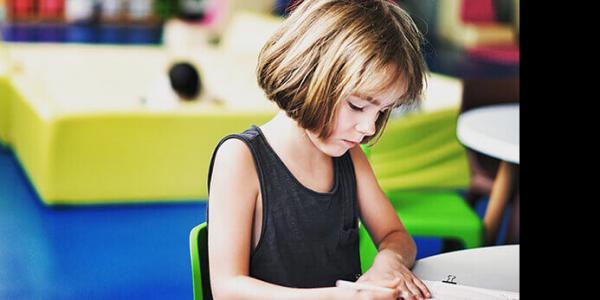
(308, 239)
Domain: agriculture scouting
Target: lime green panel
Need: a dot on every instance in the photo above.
(451, 174)
(425, 159)
(410, 129)
(425, 142)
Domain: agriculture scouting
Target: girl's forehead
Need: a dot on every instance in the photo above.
(382, 84)
(382, 95)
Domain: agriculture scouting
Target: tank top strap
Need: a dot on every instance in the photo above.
(348, 176)
(249, 138)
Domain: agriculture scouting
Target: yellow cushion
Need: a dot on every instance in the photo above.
(82, 135)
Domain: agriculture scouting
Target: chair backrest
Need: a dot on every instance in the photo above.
(421, 151)
(199, 257)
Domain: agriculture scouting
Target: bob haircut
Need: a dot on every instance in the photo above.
(327, 50)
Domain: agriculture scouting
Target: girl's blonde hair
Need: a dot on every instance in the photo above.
(327, 50)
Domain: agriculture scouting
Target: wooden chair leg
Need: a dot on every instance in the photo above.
(500, 195)
(512, 234)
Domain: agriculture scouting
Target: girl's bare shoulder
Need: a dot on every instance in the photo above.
(234, 162)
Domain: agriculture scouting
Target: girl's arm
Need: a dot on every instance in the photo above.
(378, 214)
(396, 248)
(233, 193)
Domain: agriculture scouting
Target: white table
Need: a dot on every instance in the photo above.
(494, 131)
(487, 267)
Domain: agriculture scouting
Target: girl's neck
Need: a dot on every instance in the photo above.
(284, 134)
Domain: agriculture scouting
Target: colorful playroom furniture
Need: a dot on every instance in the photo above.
(76, 118)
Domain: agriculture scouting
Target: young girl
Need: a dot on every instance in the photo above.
(286, 197)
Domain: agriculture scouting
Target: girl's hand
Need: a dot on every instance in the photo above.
(386, 268)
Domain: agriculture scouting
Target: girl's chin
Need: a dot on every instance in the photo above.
(335, 151)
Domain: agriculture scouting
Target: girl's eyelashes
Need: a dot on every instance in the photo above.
(359, 108)
(354, 107)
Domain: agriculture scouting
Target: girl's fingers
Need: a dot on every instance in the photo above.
(414, 290)
(404, 292)
(392, 294)
(411, 288)
(424, 290)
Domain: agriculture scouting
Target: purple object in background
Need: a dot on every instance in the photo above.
(112, 34)
(55, 33)
(83, 33)
(18, 32)
(144, 34)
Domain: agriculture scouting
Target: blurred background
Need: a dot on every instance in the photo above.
(105, 144)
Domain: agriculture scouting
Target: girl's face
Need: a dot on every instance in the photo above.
(355, 119)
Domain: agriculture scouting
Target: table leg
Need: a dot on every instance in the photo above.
(512, 234)
(501, 192)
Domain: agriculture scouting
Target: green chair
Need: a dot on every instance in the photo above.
(429, 214)
(420, 165)
(199, 256)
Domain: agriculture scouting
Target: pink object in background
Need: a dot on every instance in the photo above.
(51, 9)
(477, 11)
(214, 13)
(21, 9)
(481, 13)
(503, 54)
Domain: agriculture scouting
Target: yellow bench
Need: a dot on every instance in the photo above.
(73, 117)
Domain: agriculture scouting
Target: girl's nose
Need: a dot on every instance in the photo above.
(366, 128)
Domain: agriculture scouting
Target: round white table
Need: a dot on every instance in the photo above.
(494, 130)
(487, 267)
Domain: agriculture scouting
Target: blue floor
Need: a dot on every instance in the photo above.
(98, 252)
(101, 252)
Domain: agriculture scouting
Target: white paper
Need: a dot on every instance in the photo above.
(446, 291)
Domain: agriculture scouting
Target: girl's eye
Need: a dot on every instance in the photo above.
(354, 107)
